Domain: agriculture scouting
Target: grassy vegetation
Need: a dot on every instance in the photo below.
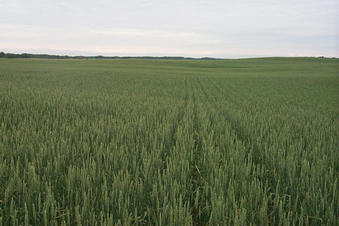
(161, 142)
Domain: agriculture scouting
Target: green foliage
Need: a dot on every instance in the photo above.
(162, 142)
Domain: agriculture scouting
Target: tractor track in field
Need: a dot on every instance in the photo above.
(179, 119)
(209, 99)
(248, 141)
(171, 141)
(212, 101)
(199, 216)
(238, 131)
(197, 181)
(252, 148)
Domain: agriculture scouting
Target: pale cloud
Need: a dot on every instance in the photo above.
(218, 28)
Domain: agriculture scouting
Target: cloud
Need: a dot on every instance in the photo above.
(191, 28)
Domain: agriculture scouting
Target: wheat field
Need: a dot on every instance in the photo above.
(169, 142)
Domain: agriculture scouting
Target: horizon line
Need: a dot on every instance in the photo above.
(162, 56)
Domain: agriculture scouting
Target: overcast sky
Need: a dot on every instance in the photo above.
(214, 28)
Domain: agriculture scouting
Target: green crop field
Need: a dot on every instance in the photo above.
(166, 142)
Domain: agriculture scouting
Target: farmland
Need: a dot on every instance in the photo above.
(169, 142)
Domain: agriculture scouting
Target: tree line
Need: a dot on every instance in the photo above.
(48, 56)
